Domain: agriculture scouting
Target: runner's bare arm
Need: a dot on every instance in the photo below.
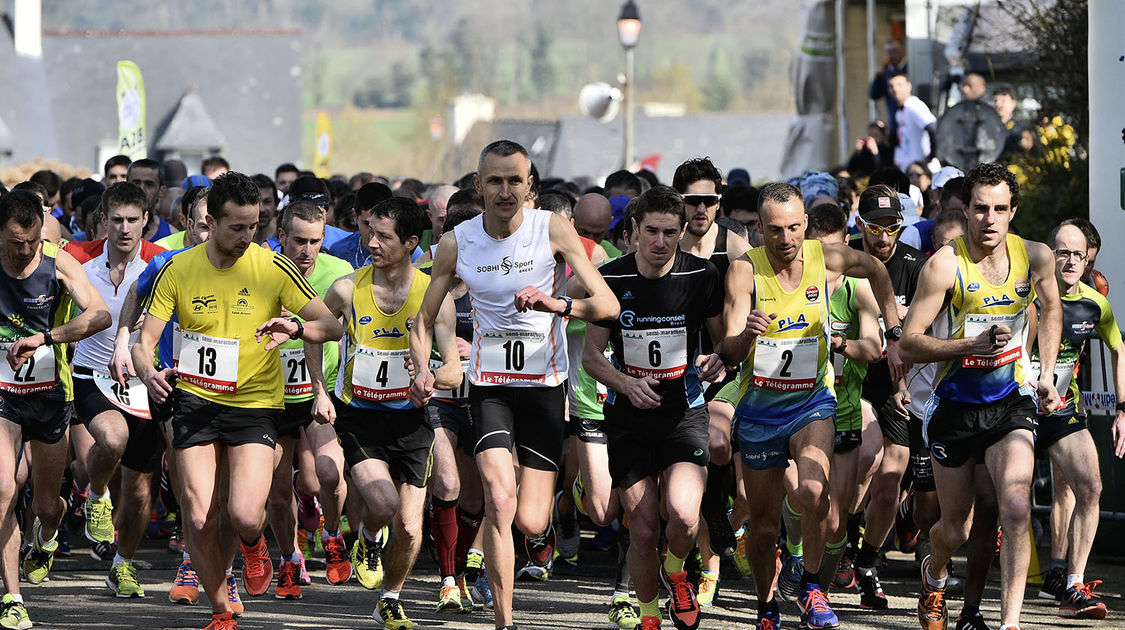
(121, 363)
(868, 348)
(1117, 353)
(441, 278)
(934, 284)
(602, 303)
(449, 375)
(639, 390)
(743, 325)
(155, 380)
(338, 301)
(852, 262)
(95, 315)
(711, 366)
(1042, 261)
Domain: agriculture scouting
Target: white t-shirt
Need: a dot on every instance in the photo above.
(913, 142)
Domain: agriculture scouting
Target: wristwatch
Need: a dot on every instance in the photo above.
(48, 340)
(300, 328)
(569, 305)
(1120, 406)
(893, 333)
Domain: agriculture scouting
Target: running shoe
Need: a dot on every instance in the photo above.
(906, 532)
(103, 551)
(308, 508)
(1080, 602)
(540, 549)
(971, 621)
(871, 596)
(682, 608)
(449, 599)
(769, 621)
(367, 561)
(815, 611)
(467, 603)
(339, 569)
(650, 623)
(932, 613)
(257, 567)
(578, 492)
(708, 588)
(481, 591)
(99, 519)
(288, 581)
(233, 599)
(303, 577)
(391, 614)
(789, 579)
(741, 555)
(185, 588)
(845, 576)
(622, 615)
(569, 539)
(122, 580)
(13, 614)
(38, 562)
(1054, 584)
(75, 511)
(721, 536)
(532, 572)
(222, 621)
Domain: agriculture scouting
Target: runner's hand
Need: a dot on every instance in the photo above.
(23, 349)
(898, 402)
(642, 392)
(757, 322)
(159, 386)
(323, 411)
(898, 367)
(530, 298)
(422, 388)
(711, 368)
(992, 340)
(464, 348)
(1048, 396)
(278, 329)
(121, 363)
(1118, 432)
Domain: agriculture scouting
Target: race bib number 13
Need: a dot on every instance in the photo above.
(208, 362)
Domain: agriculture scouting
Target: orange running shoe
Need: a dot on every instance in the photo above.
(339, 569)
(288, 581)
(257, 567)
(236, 606)
(932, 614)
(222, 621)
(185, 588)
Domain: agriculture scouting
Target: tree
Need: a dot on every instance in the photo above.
(542, 67)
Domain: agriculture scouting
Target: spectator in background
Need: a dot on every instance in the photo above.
(872, 152)
(285, 175)
(358, 180)
(973, 87)
(894, 63)
(267, 208)
(435, 211)
(1005, 103)
(916, 124)
(353, 247)
(174, 171)
(343, 213)
(919, 175)
(623, 183)
(116, 169)
(214, 166)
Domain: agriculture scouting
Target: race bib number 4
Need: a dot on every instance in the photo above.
(37, 374)
(508, 356)
(297, 381)
(380, 375)
(978, 323)
(787, 365)
(208, 362)
(459, 394)
(659, 353)
(132, 399)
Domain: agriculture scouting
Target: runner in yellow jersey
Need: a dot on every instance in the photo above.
(982, 410)
(379, 416)
(777, 322)
(229, 389)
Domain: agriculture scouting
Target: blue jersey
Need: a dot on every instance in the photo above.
(144, 287)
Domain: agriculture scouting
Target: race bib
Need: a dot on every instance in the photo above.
(297, 381)
(176, 343)
(132, 399)
(507, 356)
(456, 395)
(600, 388)
(208, 362)
(37, 374)
(659, 353)
(977, 323)
(380, 375)
(786, 364)
(1064, 374)
(838, 360)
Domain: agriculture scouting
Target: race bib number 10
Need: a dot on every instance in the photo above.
(516, 355)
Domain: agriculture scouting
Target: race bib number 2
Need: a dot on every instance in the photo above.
(37, 374)
(786, 365)
(208, 362)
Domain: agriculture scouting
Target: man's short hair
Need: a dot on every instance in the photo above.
(1093, 238)
(777, 192)
(826, 219)
(501, 148)
(370, 195)
(174, 171)
(49, 180)
(406, 213)
(694, 170)
(21, 206)
(149, 164)
(123, 194)
(992, 174)
(663, 199)
(117, 160)
(1003, 89)
(311, 188)
(232, 187)
(192, 200)
(361, 178)
(343, 213)
(287, 167)
(466, 197)
(34, 187)
(557, 203)
(304, 210)
(624, 180)
(263, 181)
(891, 176)
(953, 188)
(946, 218)
(213, 162)
(456, 215)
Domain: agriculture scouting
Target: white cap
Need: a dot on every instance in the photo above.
(943, 175)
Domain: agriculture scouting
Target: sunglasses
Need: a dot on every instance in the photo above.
(709, 200)
(878, 230)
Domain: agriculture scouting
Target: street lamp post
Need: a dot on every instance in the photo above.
(629, 32)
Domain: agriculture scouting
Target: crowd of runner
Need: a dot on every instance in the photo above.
(784, 381)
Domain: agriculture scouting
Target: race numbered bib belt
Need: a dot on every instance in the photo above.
(660, 353)
(838, 360)
(455, 395)
(977, 323)
(507, 356)
(37, 374)
(297, 381)
(787, 365)
(1064, 374)
(132, 398)
(208, 362)
(380, 375)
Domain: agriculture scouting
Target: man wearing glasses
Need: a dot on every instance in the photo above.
(880, 226)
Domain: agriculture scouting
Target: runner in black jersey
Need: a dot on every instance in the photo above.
(655, 417)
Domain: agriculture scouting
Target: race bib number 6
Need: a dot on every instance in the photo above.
(516, 355)
(208, 362)
(786, 365)
(659, 353)
(37, 374)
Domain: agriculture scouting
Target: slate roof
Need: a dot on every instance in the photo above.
(190, 126)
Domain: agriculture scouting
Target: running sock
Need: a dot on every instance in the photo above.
(855, 529)
(1057, 563)
(673, 564)
(250, 544)
(651, 609)
(765, 608)
(187, 557)
(540, 548)
(831, 560)
(39, 537)
(468, 525)
(325, 534)
(118, 559)
(94, 496)
(366, 535)
(288, 558)
(448, 581)
(18, 597)
(623, 578)
(443, 527)
(1074, 578)
(385, 594)
(792, 520)
(933, 581)
(809, 578)
(868, 555)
